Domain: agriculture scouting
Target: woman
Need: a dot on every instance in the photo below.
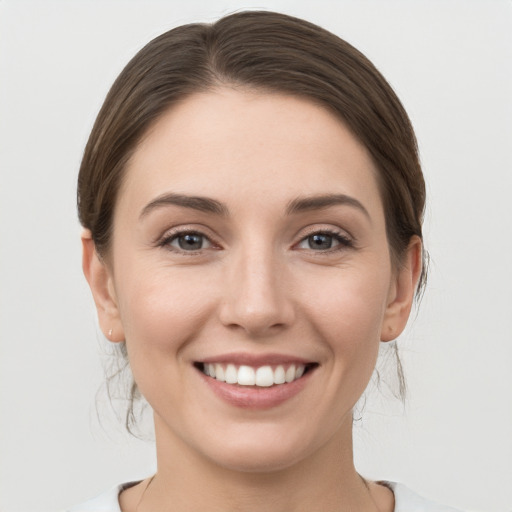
(252, 202)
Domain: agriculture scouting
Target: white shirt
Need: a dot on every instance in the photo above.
(405, 501)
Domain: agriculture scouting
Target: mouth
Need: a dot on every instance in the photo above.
(264, 376)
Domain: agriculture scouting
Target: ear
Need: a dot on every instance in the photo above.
(402, 290)
(101, 282)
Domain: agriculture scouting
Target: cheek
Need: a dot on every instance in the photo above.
(347, 312)
(351, 304)
(162, 309)
(162, 312)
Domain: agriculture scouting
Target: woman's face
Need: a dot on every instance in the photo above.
(249, 240)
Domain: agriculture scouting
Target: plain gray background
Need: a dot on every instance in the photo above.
(450, 63)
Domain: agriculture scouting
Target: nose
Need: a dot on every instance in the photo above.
(257, 296)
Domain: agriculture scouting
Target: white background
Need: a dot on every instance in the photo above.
(450, 63)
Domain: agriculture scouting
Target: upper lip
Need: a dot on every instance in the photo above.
(255, 360)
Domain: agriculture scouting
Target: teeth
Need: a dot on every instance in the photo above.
(290, 374)
(264, 376)
(231, 374)
(246, 376)
(219, 373)
(279, 375)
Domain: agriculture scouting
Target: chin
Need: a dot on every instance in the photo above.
(260, 453)
(257, 461)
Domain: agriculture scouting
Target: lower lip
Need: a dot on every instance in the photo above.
(256, 397)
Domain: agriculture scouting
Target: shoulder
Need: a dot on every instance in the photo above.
(408, 501)
(106, 502)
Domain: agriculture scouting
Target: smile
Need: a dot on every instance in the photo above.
(261, 376)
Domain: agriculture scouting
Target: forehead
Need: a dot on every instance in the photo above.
(235, 145)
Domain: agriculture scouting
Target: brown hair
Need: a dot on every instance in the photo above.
(263, 51)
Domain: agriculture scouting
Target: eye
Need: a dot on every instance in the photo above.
(319, 241)
(188, 241)
(324, 241)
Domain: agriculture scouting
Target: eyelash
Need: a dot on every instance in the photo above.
(171, 237)
(343, 241)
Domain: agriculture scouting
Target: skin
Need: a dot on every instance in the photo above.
(257, 285)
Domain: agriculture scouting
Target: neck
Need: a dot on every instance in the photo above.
(325, 481)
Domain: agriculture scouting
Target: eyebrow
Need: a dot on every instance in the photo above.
(202, 204)
(208, 205)
(304, 204)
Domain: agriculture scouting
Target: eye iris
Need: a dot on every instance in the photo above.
(190, 242)
(320, 241)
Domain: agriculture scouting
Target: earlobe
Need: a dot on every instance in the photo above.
(402, 291)
(102, 287)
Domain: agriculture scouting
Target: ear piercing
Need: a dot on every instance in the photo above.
(110, 333)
